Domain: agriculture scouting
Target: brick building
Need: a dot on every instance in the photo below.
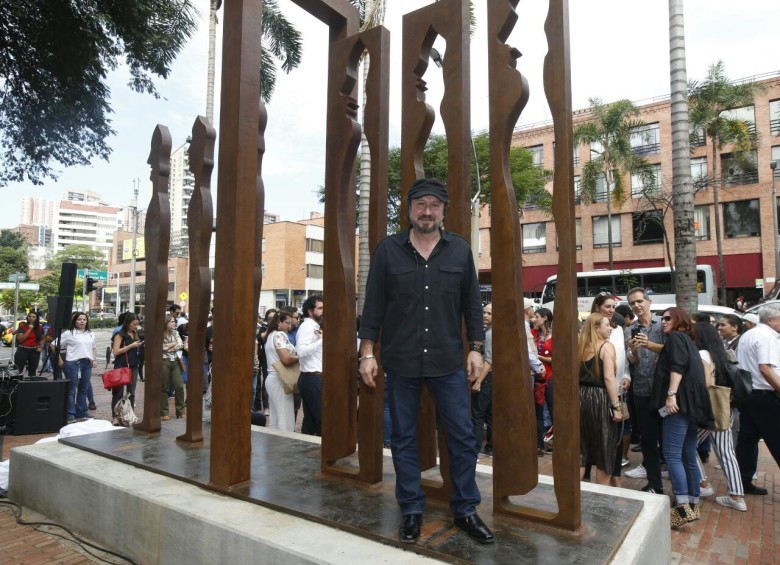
(745, 204)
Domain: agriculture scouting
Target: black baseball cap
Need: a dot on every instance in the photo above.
(428, 187)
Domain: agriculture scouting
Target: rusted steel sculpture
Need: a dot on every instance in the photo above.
(200, 217)
(260, 211)
(515, 469)
(346, 56)
(157, 234)
(234, 290)
(557, 87)
(449, 19)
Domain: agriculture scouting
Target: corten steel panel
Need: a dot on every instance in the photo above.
(157, 233)
(337, 390)
(234, 289)
(200, 219)
(450, 20)
(514, 440)
(260, 212)
(343, 136)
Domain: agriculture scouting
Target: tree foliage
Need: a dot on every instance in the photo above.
(12, 261)
(281, 41)
(54, 59)
(12, 239)
(83, 255)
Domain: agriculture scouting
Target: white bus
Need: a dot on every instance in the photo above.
(657, 280)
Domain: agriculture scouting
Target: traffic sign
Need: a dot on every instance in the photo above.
(183, 296)
(22, 286)
(16, 277)
(97, 275)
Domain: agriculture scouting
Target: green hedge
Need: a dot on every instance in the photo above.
(97, 324)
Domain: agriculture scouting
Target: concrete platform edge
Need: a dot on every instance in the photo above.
(156, 519)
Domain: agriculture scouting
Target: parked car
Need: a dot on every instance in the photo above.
(754, 309)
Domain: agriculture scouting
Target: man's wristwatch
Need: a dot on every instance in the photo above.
(476, 346)
(368, 357)
(671, 393)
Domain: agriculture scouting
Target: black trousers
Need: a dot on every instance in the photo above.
(27, 357)
(649, 424)
(310, 387)
(759, 419)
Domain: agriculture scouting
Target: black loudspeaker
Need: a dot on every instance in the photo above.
(41, 406)
(65, 300)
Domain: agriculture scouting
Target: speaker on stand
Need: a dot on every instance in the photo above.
(40, 407)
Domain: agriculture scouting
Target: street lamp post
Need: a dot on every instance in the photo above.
(773, 166)
(134, 251)
(289, 285)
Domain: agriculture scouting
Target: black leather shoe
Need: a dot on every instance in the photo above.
(476, 528)
(409, 532)
(750, 488)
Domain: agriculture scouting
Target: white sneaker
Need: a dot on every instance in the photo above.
(624, 463)
(707, 491)
(637, 472)
(731, 503)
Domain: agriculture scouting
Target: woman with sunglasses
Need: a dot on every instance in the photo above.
(680, 395)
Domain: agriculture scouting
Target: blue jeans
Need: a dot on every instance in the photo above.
(387, 430)
(451, 398)
(77, 393)
(679, 441)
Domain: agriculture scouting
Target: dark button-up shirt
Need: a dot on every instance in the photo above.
(644, 369)
(418, 305)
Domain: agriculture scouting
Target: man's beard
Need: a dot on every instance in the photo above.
(426, 230)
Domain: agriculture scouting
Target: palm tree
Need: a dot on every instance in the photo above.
(709, 103)
(682, 185)
(609, 137)
(280, 41)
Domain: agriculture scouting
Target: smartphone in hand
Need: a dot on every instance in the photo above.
(663, 411)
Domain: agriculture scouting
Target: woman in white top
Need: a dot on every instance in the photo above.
(279, 348)
(605, 304)
(78, 345)
(171, 371)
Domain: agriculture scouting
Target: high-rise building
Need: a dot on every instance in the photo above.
(38, 212)
(86, 223)
(180, 186)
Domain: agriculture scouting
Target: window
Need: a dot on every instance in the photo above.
(699, 171)
(774, 117)
(648, 227)
(596, 149)
(315, 271)
(741, 219)
(646, 139)
(601, 189)
(640, 188)
(776, 157)
(697, 136)
(737, 170)
(746, 114)
(701, 222)
(576, 154)
(263, 246)
(577, 235)
(600, 235)
(537, 152)
(535, 237)
(315, 245)
(577, 199)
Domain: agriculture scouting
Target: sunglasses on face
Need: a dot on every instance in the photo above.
(667, 318)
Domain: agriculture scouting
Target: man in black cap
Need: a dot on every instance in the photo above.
(421, 286)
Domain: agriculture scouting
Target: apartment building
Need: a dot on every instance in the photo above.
(746, 207)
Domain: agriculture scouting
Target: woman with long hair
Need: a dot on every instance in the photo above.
(713, 356)
(29, 344)
(279, 348)
(125, 345)
(542, 332)
(600, 415)
(80, 349)
(605, 303)
(171, 371)
(680, 394)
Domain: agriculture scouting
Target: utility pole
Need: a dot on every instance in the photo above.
(84, 291)
(134, 206)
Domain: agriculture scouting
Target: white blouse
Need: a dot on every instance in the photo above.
(78, 345)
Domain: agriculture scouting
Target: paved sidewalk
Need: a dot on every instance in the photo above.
(722, 535)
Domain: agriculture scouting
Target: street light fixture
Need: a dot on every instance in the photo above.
(289, 285)
(439, 62)
(773, 166)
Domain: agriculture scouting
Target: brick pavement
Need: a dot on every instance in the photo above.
(722, 536)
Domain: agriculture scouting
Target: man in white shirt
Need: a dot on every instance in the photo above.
(309, 349)
(759, 353)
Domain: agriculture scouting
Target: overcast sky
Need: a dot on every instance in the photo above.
(619, 49)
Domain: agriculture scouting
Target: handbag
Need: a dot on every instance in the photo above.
(123, 412)
(741, 384)
(624, 407)
(720, 399)
(289, 375)
(121, 376)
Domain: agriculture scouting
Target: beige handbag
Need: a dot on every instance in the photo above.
(289, 375)
(720, 398)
